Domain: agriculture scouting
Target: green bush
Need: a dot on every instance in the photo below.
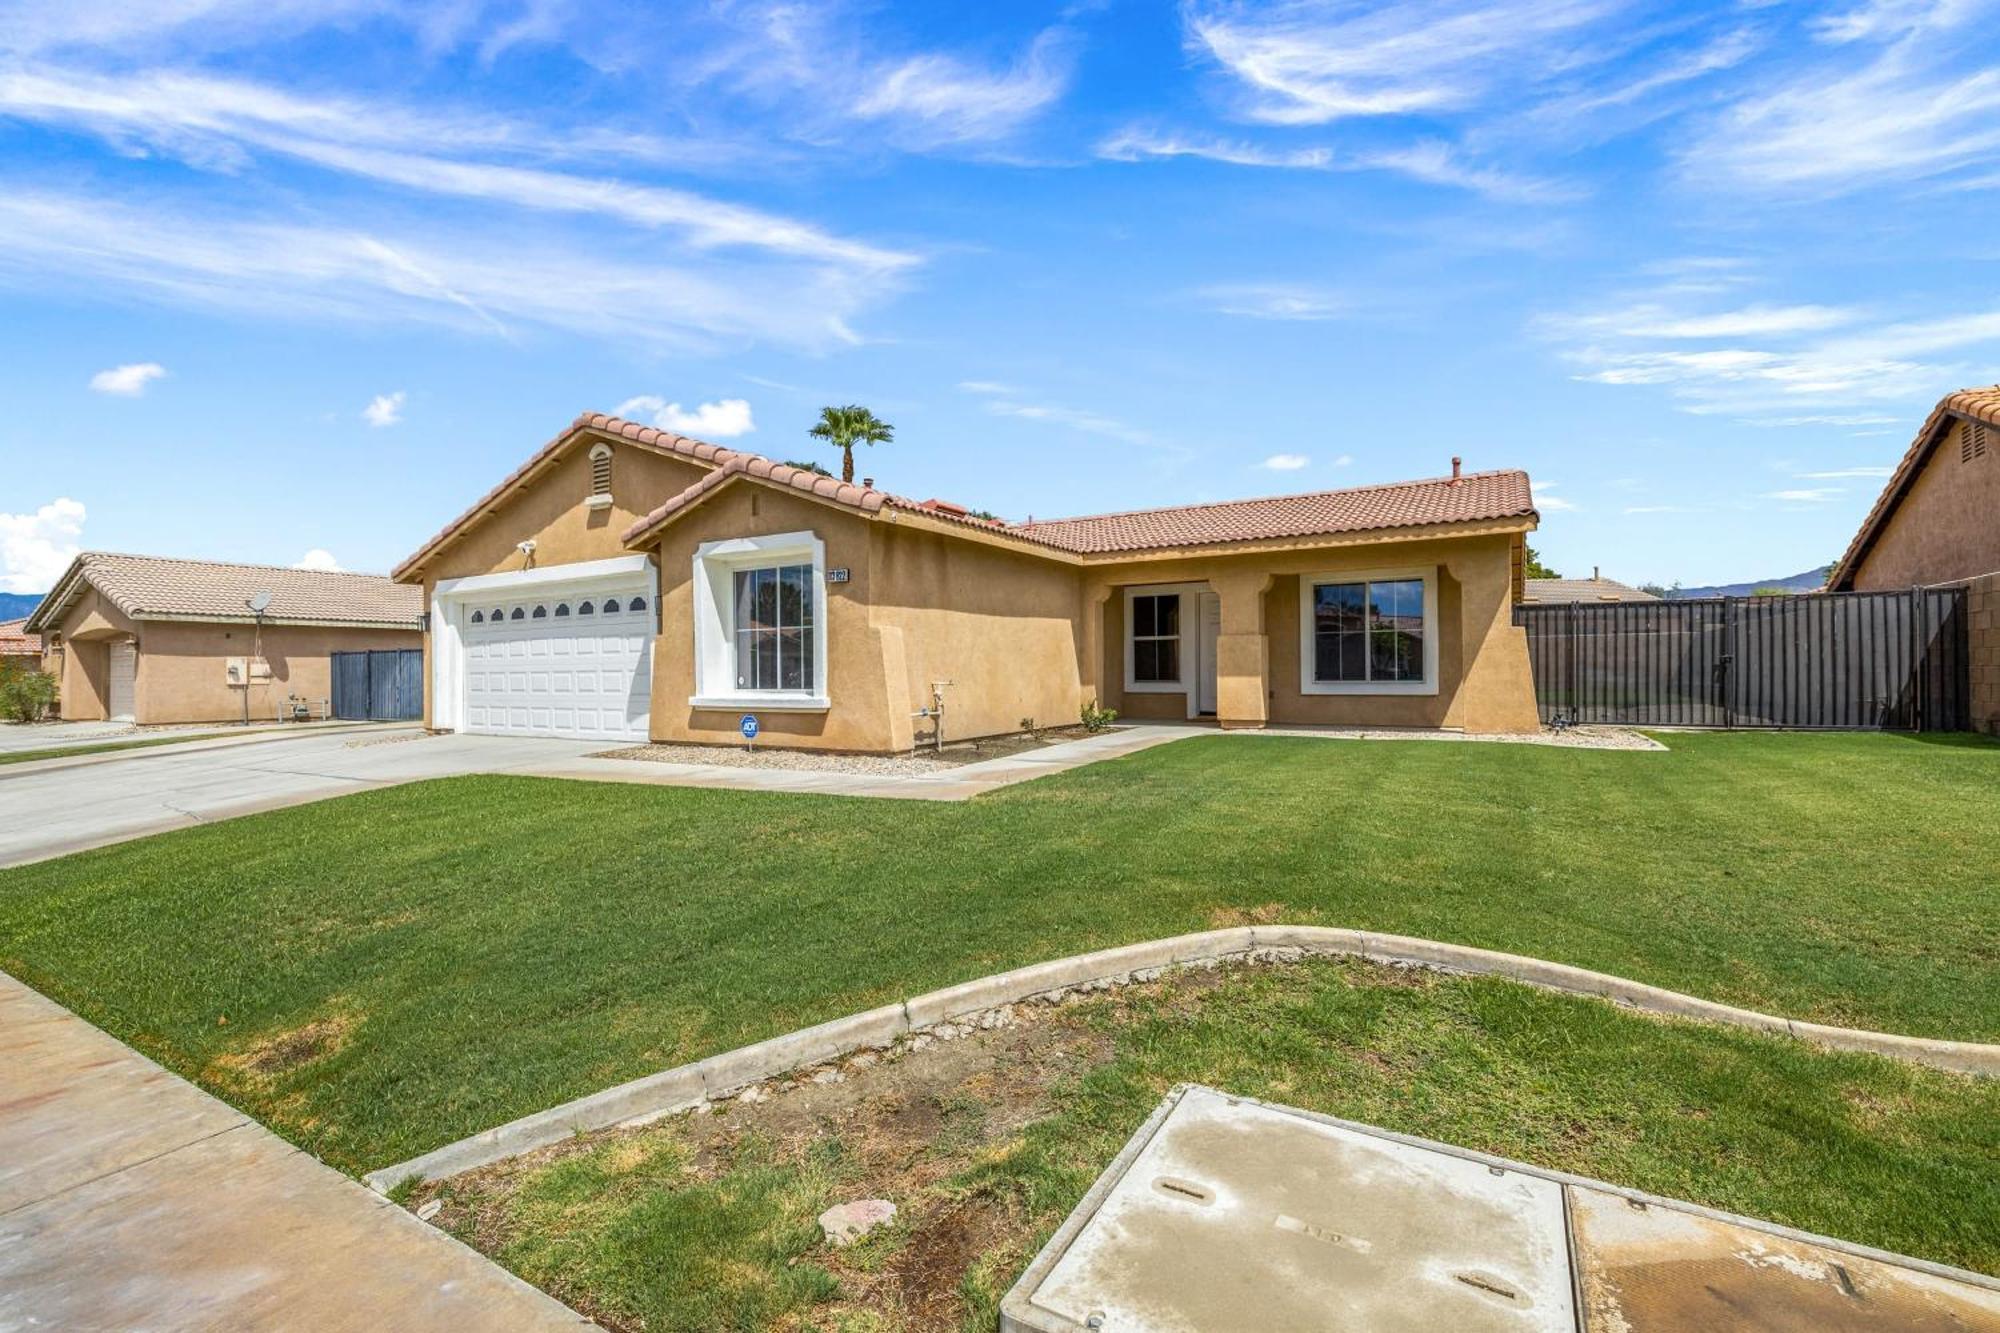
(1097, 719)
(26, 694)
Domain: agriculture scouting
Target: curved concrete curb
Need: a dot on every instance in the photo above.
(957, 1009)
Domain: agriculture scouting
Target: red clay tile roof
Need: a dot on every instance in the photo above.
(1978, 404)
(14, 642)
(1474, 497)
(149, 587)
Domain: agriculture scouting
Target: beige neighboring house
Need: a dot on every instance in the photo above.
(1938, 519)
(153, 640)
(1596, 588)
(625, 583)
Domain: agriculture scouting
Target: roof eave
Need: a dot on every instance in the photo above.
(1320, 541)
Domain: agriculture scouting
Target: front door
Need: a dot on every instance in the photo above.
(124, 680)
(1211, 630)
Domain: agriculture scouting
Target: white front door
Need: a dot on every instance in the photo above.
(124, 680)
(575, 663)
(1211, 631)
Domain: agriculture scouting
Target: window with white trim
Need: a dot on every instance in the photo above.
(775, 621)
(1368, 633)
(760, 623)
(1156, 638)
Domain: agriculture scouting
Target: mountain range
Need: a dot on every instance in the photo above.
(1805, 582)
(14, 605)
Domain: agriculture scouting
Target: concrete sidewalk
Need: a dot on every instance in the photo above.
(131, 1199)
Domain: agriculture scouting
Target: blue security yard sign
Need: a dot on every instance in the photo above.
(748, 726)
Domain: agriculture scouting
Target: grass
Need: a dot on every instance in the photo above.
(708, 1222)
(462, 952)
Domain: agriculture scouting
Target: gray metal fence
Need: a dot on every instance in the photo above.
(1845, 661)
(385, 685)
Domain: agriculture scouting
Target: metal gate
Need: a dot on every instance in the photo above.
(1846, 661)
(385, 685)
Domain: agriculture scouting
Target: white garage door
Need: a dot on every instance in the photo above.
(574, 664)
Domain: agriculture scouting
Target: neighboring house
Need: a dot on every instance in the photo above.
(627, 583)
(150, 640)
(1938, 519)
(17, 646)
(1596, 588)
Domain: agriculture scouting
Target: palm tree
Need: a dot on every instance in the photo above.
(845, 427)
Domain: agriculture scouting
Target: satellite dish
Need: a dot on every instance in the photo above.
(260, 602)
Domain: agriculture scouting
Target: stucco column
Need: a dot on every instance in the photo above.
(1242, 650)
(1090, 644)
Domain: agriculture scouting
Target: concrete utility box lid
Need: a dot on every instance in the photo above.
(1227, 1214)
(1234, 1215)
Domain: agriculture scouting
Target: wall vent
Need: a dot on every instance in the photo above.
(600, 470)
(1971, 441)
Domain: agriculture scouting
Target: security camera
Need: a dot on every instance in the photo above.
(527, 547)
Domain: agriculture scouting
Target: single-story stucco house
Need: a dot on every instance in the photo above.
(626, 583)
(1938, 519)
(153, 640)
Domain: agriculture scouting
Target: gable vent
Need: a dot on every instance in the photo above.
(600, 470)
(1971, 441)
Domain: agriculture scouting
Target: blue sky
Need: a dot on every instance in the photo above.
(291, 279)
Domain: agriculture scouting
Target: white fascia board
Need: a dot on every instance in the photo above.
(543, 576)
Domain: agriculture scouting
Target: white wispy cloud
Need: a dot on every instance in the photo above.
(1659, 509)
(127, 381)
(1807, 495)
(1840, 474)
(1286, 462)
(221, 124)
(35, 548)
(1303, 63)
(1767, 362)
(1431, 161)
(722, 420)
(318, 558)
(987, 387)
(384, 409)
(1546, 499)
(937, 98)
(1905, 91)
(1074, 418)
(1272, 300)
(478, 277)
(1134, 144)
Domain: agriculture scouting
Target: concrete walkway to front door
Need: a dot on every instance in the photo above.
(131, 1199)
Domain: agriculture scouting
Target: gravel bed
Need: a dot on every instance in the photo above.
(1573, 738)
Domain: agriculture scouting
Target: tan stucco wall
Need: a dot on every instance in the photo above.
(551, 512)
(1982, 608)
(917, 607)
(83, 649)
(180, 663)
(1946, 528)
(1484, 680)
(181, 675)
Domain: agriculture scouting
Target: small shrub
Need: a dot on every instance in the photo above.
(26, 694)
(1096, 718)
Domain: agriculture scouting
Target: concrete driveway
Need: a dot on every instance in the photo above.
(65, 805)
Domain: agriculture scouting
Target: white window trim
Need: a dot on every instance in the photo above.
(1190, 595)
(1307, 664)
(715, 617)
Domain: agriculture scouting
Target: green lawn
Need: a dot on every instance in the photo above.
(380, 974)
(707, 1223)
